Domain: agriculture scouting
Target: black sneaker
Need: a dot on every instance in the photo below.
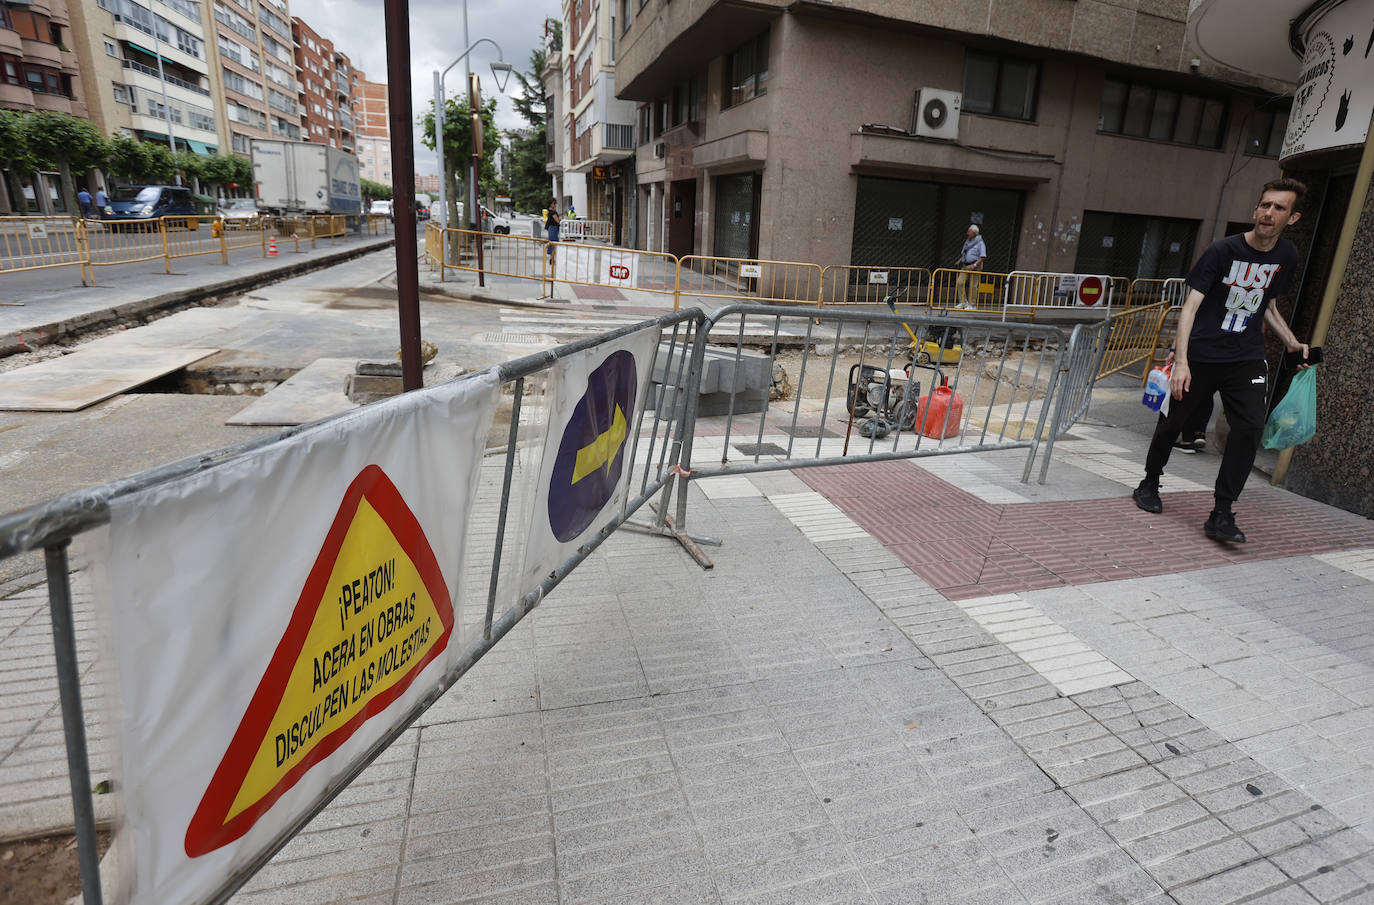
(1222, 526)
(1185, 445)
(1146, 496)
(1200, 444)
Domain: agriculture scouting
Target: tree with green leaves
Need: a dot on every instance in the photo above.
(376, 191)
(69, 144)
(530, 187)
(15, 157)
(458, 147)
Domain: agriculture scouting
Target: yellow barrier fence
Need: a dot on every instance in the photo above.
(245, 234)
(746, 279)
(378, 224)
(507, 256)
(849, 284)
(186, 237)
(434, 237)
(614, 268)
(1132, 339)
(976, 291)
(113, 242)
(35, 243)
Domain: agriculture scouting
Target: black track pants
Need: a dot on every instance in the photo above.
(1242, 388)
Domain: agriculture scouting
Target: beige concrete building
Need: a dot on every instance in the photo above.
(38, 71)
(598, 176)
(1082, 136)
(371, 112)
(151, 70)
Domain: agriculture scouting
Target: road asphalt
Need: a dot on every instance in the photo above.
(901, 682)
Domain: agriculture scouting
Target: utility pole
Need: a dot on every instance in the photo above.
(475, 105)
(397, 14)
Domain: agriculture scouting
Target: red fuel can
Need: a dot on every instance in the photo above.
(940, 410)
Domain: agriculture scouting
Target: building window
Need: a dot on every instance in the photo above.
(239, 142)
(1163, 114)
(685, 107)
(1266, 132)
(11, 70)
(123, 94)
(5, 20)
(111, 50)
(747, 71)
(1000, 86)
(1135, 246)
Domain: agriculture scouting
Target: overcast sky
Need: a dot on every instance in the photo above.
(357, 28)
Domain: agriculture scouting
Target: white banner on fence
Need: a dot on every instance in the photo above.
(274, 616)
(575, 263)
(619, 268)
(594, 402)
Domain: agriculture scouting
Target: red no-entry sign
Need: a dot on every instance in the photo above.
(1090, 291)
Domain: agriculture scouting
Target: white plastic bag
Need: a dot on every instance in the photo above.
(1157, 390)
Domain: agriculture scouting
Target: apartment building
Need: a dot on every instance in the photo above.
(256, 71)
(598, 173)
(150, 67)
(372, 116)
(326, 89)
(1079, 136)
(38, 71)
(555, 107)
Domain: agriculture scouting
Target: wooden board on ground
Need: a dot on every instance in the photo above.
(314, 392)
(83, 378)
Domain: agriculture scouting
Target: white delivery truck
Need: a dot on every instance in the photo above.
(300, 177)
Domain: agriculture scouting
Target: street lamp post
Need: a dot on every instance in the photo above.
(501, 71)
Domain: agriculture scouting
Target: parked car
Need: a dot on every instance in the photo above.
(144, 203)
(240, 213)
(493, 222)
(422, 207)
(381, 207)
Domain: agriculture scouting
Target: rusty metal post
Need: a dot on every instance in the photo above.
(397, 13)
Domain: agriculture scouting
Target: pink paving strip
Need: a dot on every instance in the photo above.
(967, 548)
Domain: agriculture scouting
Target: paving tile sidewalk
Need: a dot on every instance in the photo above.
(812, 721)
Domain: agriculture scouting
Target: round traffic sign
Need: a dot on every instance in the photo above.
(591, 456)
(1089, 291)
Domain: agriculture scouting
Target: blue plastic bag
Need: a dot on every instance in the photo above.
(1294, 419)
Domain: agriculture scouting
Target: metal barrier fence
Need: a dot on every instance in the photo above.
(847, 284)
(1149, 292)
(746, 279)
(185, 237)
(653, 444)
(35, 243)
(113, 242)
(614, 268)
(1132, 337)
(972, 290)
(989, 386)
(1082, 361)
(1031, 291)
(585, 230)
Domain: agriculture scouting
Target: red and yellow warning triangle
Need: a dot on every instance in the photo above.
(374, 612)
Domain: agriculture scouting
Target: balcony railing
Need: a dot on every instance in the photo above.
(618, 137)
(171, 79)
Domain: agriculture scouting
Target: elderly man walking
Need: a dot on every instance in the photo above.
(970, 259)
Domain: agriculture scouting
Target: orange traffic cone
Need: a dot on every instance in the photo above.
(272, 247)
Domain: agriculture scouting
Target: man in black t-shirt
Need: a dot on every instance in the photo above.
(1220, 347)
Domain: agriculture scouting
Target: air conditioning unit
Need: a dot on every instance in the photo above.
(936, 114)
(659, 150)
